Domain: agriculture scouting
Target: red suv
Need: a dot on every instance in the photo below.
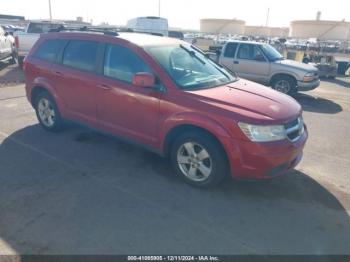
(166, 95)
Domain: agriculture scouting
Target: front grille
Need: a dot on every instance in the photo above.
(294, 129)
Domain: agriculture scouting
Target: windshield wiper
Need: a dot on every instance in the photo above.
(192, 53)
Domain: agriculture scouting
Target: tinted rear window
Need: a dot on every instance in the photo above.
(81, 55)
(50, 49)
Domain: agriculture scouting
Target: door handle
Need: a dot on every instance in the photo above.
(58, 73)
(104, 87)
(236, 62)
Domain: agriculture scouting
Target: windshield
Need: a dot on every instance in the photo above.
(271, 53)
(189, 68)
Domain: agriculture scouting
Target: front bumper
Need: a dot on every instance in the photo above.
(249, 160)
(307, 86)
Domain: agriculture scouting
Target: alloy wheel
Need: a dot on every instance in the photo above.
(194, 161)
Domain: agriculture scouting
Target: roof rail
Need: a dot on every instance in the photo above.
(112, 31)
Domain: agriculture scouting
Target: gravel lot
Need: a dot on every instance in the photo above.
(79, 192)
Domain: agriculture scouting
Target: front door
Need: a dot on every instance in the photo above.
(122, 108)
(250, 63)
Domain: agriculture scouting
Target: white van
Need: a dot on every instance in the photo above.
(149, 24)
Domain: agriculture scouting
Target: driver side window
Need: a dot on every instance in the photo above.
(250, 52)
(121, 63)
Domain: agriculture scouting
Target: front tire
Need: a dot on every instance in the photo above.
(47, 112)
(285, 84)
(199, 159)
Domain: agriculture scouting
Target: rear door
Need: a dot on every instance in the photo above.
(227, 58)
(251, 63)
(75, 80)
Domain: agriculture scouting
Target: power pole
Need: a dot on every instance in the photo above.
(159, 8)
(267, 17)
(50, 9)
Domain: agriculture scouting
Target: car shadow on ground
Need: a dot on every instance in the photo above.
(318, 104)
(79, 192)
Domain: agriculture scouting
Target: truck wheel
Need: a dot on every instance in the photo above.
(198, 159)
(20, 62)
(47, 112)
(285, 84)
(14, 59)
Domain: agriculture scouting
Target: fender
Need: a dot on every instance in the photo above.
(194, 119)
(282, 72)
(49, 87)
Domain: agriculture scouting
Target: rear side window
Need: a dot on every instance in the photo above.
(121, 63)
(230, 50)
(81, 55)
(50, 50)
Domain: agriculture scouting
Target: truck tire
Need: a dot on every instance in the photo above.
(20, 62)
(199, 159)
(285, 84)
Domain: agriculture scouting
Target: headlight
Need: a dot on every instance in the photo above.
(309, 77)
(259, 133)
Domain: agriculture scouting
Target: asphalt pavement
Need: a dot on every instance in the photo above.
(79, 192)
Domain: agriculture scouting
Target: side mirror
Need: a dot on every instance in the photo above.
(144, 79)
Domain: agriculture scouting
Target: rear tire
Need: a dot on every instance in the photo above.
(14, 59)
(20, 62)
(199, 159)
(47, 112)
(285, 84)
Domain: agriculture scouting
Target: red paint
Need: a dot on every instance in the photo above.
(146, 115)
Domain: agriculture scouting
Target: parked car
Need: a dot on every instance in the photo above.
(164, 94)
(149, 24)
(262, 63)
(7, 50)
(25, 40)
(12, 29)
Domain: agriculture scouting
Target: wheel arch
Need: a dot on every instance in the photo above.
(175, 131)
(41, 85)
(282, 74)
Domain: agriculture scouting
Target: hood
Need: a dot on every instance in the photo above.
(247, 99)
(297, 65)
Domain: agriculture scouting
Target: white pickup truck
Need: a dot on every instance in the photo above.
(262, 63)
(6, 47)
(25, 40)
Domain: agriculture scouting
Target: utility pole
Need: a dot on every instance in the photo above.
(267, 17)
(159, 8)
(50, 9)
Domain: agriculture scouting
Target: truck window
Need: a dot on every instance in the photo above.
(81, 55)
(230, 50)
(250, 52)
(39, 28)
(50, 49)
(121, 63)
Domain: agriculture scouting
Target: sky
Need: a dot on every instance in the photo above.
(181, 13)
